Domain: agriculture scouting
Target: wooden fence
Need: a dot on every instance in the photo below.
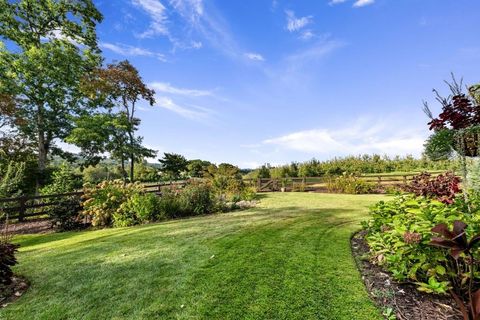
(320, 183)
(19, 208)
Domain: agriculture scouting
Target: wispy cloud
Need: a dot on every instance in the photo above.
(307, 35)
(334, 2)
(296, 24)
(317, 51)
(158, 15)
(192, 112)
(254, 56)
(363, 3)
(356, 4)
(166, 87)
(131, 51)
(359, 138)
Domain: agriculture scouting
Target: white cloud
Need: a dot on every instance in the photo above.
(130, 51)
(315, 52)
(296, 24)
(192, 113)
(307, 35)
(357, 3)
(334, 2)
(158, 15)
(360, 138)
(363, 3)
(166, 87)
(254, 56)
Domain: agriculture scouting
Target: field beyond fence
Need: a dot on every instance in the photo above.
(20, 208)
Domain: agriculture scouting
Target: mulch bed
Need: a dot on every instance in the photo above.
(406, 301)
(30, 226)
(13, 291)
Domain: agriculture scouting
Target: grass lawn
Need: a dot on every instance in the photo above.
(289, 258)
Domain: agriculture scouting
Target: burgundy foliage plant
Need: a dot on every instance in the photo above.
(444, 187)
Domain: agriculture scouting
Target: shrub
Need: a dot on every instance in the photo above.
(139, 208)
(196, 199)
(7, 261)
(103, 200)
(64, 214)
(11, 178)
(7, 257)
(399, 236)
(249, 194)
(169, 204)
(349, 183)
(298, 187)
(443, 187)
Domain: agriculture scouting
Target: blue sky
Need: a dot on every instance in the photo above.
(261, 81)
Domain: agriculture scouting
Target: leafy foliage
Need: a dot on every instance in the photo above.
(11, 178)
(118, 87)
(139, 208)
(172, 165)
(456, 127)
(462, 250)
(196, 199)
(349, 183)
(443, 187)
(363, 164)
(7, 261)
(103, 200)
(55, 44)
(401, 234)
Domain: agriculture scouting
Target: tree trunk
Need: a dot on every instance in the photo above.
(42, 150)
(132, 165)
(123, 169)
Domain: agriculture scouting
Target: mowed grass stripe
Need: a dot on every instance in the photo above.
(287, 259)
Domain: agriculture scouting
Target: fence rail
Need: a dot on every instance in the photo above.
(19, 208)
(320, 183)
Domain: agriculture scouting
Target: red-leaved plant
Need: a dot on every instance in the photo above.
(443, 187)
(461, 250)
(459, 110)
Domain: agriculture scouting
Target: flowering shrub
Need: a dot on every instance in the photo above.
(444, 187)
(103, 200)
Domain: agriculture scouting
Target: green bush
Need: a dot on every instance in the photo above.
(139, 208)
(65, 213)
(103, 200)
(349, 183)
(196, 199)
(169, 204)
(399, 234)
(249, 193)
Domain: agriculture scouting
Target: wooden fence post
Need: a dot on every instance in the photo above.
(379, 180)
(22, 208)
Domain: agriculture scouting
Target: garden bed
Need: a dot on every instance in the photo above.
(400, 299)
(13, 291)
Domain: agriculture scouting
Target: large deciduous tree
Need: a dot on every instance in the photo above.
(47, 47)
(119, 88)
